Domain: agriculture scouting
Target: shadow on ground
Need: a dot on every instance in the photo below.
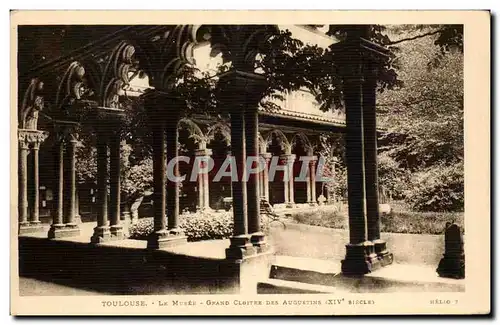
(118, 270)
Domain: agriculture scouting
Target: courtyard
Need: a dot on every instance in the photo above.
(132, 146)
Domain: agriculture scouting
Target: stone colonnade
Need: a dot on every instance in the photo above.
(107, 126)
(29, 144)
(358, 59)
(64, 222)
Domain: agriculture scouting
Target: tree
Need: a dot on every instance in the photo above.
(424, 119)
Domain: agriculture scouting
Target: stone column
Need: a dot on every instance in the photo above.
(286, 179)
(71, 189)
(35, 211)
(261, 185)
(371, 166)
(308, 183)
(288, 160)
(78, 217)
(23, 183)
(312, 171)
(252, 150)
(291, 191)
(359, 252)
(173, 208)
(206, 189)
(265, 175)
(164, 113)
(57, 227)
(203, 184)
(240, 241)
(114, 173)
(102, 232)
(159, 183)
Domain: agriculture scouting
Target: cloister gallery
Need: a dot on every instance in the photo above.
(84, 86)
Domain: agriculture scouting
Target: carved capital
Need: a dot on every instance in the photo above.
(29, 138)
(288, 158)
(266, 155)
(357, 58)
(203, 152)
(107, 121)
(240, 44)
(163, 108)
(242, 89)
(66, 131)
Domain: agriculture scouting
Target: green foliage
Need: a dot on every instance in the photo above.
(332, 149)
(431, 223)
(324, 216)
(398, 221)
(86, 164)
(428, 109)
(440, 188)
(424, 119)
(204, 226)
(196, 226)
(142, 229)
(391, 176)
(136, 175)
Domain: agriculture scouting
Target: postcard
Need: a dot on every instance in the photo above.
(250, 163)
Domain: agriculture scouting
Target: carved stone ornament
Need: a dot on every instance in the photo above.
(240, 44)
(169, 54)
(29, 138)
(72, 87)
(116, 75)
(31, 105)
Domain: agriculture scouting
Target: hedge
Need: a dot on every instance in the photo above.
(196, 226)
(406, 222)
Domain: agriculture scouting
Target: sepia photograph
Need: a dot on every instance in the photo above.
(267, 167)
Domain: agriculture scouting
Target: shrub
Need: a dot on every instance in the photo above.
(390, 176)
(324, 216)
(143, 228)
(419, 222)
(439, 188)
(398, 221)
(203, 226)
(196, 226)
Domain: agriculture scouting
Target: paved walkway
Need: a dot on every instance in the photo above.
(35, 287)
(295, 240)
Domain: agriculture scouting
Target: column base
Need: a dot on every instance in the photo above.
(61, 231)
(243, 275)
(30, 227)
(313, 204)
(290, 205)
(258, 240)
(240, 247)
(117, 232)
(360, 259)
(164, 238)
(175, 232)
(384, 256)
(101, 234)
